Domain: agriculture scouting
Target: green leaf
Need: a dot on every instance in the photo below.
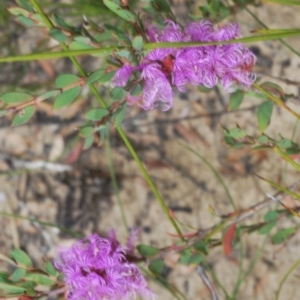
(75, 45)
(39, 278)
(96, 114)
(123, 13)
(202, 247)
(120, 114)
(31, 292)
(263, 139)
(16, 11)
(50, 269)
(58, 35)
(118, 93)
(65, 80)
(196, 259)
(107, 77)
(17, 275)
(61, 23)
(264, 113)
(66, 97)
(267, 228)
(4, 276)
(21, 258)
(147, 251)
(25, 21)
(87, 131)
(156, 267)
(28, 284)
(88, 142)
(102, 37)
(12, 289)
(25, 4)
(236, 100)
(23, 116)
(237, 133)
(138, 43)
(15, 97)
(282, 235)
(185, 256)
(136, 90)
(121, 36)
(49, 94)
(94, 76)
(271, 215)
(285, 143)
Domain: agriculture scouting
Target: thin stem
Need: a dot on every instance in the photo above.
(114, 181)
(266, 27)
(285, 277)
(287, 158)
(149, 181)
(276, 100)
(219, 177)
(147, 46)
(119, 129)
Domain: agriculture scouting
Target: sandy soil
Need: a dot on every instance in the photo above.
(81, 198)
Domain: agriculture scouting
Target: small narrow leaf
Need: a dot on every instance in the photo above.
(137, 43)
(49, 94)
(196, 259)
(271, 215)
(147, 251)
(120, 114)
(88, 142)
(66, 97)
(185, 256)
(87, 131)
(236, 100)
(75, 45)
(285, 143)
(156, 267)
(39, 278)
(25, 4)
(237, 133)
(136, 90)
(65, 80)
(25, 21)
(118, 93)
(264, 113)
(60, 22)
(107, 77)
(12, 289)
(94, 76)
(17, 274)
(16, 11)
(97, 114)
(282, 235)
(23, 116)
(50, 269)
(15, 97)
(21, 258)
(58, 35)
(267, 228)
(202, 247)
(123, 13)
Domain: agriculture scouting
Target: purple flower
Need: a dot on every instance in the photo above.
(98, 268)
(122, 76)
(162, 69)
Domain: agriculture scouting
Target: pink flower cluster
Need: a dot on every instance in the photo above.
(161, 69)
(97, 268)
